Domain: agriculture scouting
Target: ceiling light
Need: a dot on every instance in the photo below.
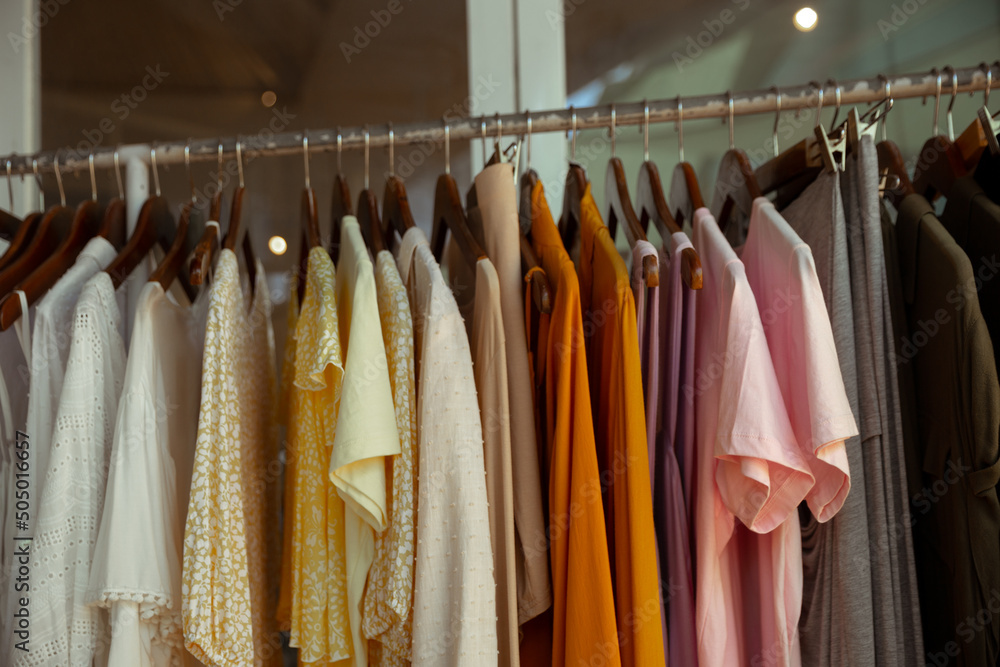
(805, 19)
(277, 245)
(268, 98)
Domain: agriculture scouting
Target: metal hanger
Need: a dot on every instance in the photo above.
(396, 214)
(203, 252)
(890, 160)
(449, 215)
(173, 261)
(155, 226)
(368, 215)
(934, 176)
(541, 293)
(341, 201)
(55, 227)
(573, 192)
(684, 189)
(652, 205)
(83, 226)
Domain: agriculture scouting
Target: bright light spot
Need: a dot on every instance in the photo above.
(268, 98)
(277, 245)
(805, 19)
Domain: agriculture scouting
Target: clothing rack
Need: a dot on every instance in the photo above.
(726, 105)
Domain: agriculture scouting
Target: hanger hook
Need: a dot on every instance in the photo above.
(305, 158)
(680, 129)
(819, 100)
(447, 146)
(888, 101)
(937, 98)
(482, 130)
(392, 151)
(239, 160)
(527, 159)
(499, 130)
(118, 177)
(645, 130)
(10, 187)
(38, 181)
(777, 117)
(732, 114)
(572, 145)
(613, 128)
(988, 71)
(152, 162)
(187, 168)
(837, 97)
(62, 193)
(340, 151)
(951, 104)
(367, 145)
(218, 173)
(93, 177)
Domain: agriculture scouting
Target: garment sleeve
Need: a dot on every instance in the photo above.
(761, 474)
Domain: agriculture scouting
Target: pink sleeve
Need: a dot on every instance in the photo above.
(761, 473)
(820, 413)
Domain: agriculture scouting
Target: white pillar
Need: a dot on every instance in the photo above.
(21, 112)
(517, 52)
(541, 57)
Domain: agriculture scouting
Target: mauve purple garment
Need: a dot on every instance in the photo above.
(647, 314)
(673, 494)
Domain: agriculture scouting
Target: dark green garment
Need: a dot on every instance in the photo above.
(955, 510)
(973, 220)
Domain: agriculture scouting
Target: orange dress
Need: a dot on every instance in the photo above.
(583, 616)
(612, 342)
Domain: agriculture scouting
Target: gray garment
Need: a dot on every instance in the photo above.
(837, 622)
(898, 638)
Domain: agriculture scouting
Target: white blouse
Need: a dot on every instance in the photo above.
(136, 571)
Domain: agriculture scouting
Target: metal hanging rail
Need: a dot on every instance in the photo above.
(855, 91)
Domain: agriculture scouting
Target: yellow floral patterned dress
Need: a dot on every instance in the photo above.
(318, 616)
(225, 600)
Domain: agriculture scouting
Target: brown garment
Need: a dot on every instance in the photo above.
(497, 205)
(973, 220)
(955, 512)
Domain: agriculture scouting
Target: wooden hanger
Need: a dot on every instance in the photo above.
(9, 223)
(685, 193)
(233, 233)
(541, 292)
(735, 157)
(171, 264)
(84, 226)
(932, 176)
(450, 215)
(396, 215)
(205, 249)
(155, 226)
(368, 216)
(55, 226)
(22, 239)
(113, 225)
(982, 132)
(573, 192)
(341, 202)
(653, 206)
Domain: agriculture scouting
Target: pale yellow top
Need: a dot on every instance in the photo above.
(366, 423)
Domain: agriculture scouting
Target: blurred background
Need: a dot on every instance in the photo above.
(115, 72)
